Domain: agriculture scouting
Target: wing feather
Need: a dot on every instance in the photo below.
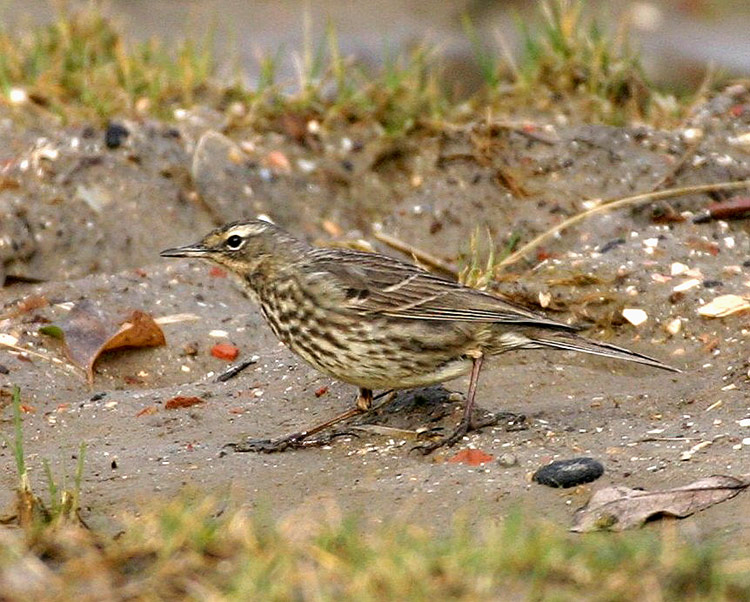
(378, 284)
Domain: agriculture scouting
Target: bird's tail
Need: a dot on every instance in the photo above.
(573, 342)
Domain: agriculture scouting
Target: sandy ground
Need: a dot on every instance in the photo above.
(88, 222)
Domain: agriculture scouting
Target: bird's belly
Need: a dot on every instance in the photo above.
(375, 365)
(375, 354)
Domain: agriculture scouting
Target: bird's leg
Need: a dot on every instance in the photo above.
(466, 423)
(302, 438)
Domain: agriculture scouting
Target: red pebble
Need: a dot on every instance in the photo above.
(472, 457)
(182, 401)
(217, 272)
(225, 351)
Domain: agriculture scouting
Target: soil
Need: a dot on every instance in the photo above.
(79, 220)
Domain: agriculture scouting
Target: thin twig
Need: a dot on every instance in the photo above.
(616, 204)
(670, 176)
(43, 356)
(420, 255)
(235, 370)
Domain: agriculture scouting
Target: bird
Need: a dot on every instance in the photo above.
(378, 322)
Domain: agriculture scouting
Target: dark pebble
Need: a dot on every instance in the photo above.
(569, 473)
(746, 263)
(115, 135)
(98, 396)
(4, 370)
(712, 283)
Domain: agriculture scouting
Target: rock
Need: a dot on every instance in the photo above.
(569, 473)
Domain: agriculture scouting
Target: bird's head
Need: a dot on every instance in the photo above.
(243, 247)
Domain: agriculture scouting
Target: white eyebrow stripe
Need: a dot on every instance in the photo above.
(394, 287)
(244, 231)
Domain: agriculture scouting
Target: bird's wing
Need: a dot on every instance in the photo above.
(377, 284)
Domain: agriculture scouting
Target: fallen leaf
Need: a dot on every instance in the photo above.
(620, 508)
(225, 351)
(472, 457)
(88, 331)
(182, 402)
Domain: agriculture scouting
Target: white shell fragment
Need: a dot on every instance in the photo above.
(635, 316)
(678, 268)
(686, 286)
(724, 305)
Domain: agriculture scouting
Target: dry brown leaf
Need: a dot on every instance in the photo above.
(620, 508)
(88, 331)
(182, 401)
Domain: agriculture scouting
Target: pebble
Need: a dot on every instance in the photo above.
(635, 316)
(569, 473)
(507, 460)
(115, 135)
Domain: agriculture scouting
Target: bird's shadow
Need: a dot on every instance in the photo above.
(431, 408)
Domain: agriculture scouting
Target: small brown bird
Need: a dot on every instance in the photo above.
(377, 322)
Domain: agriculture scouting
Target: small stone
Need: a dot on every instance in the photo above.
(115, 135)
(635, 316)
(673, 326)
(18, 96)
(569, 473)
(678, 268)
(507, 460)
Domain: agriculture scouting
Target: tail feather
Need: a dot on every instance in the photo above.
(572, 342)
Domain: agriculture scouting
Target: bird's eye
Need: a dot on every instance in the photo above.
(234, 242)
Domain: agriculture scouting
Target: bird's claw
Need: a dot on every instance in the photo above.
(281, 444)
(449, 441)
(513, 422)
(262, 446)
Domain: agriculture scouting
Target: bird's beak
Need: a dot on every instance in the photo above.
(196, 250)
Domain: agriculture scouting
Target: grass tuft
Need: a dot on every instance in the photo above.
(31, 512)
(196, 548)
(81, 68)
(572, 57)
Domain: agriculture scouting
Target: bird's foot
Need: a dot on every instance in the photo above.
(513, 422)
(281, 444)
(458, 434)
